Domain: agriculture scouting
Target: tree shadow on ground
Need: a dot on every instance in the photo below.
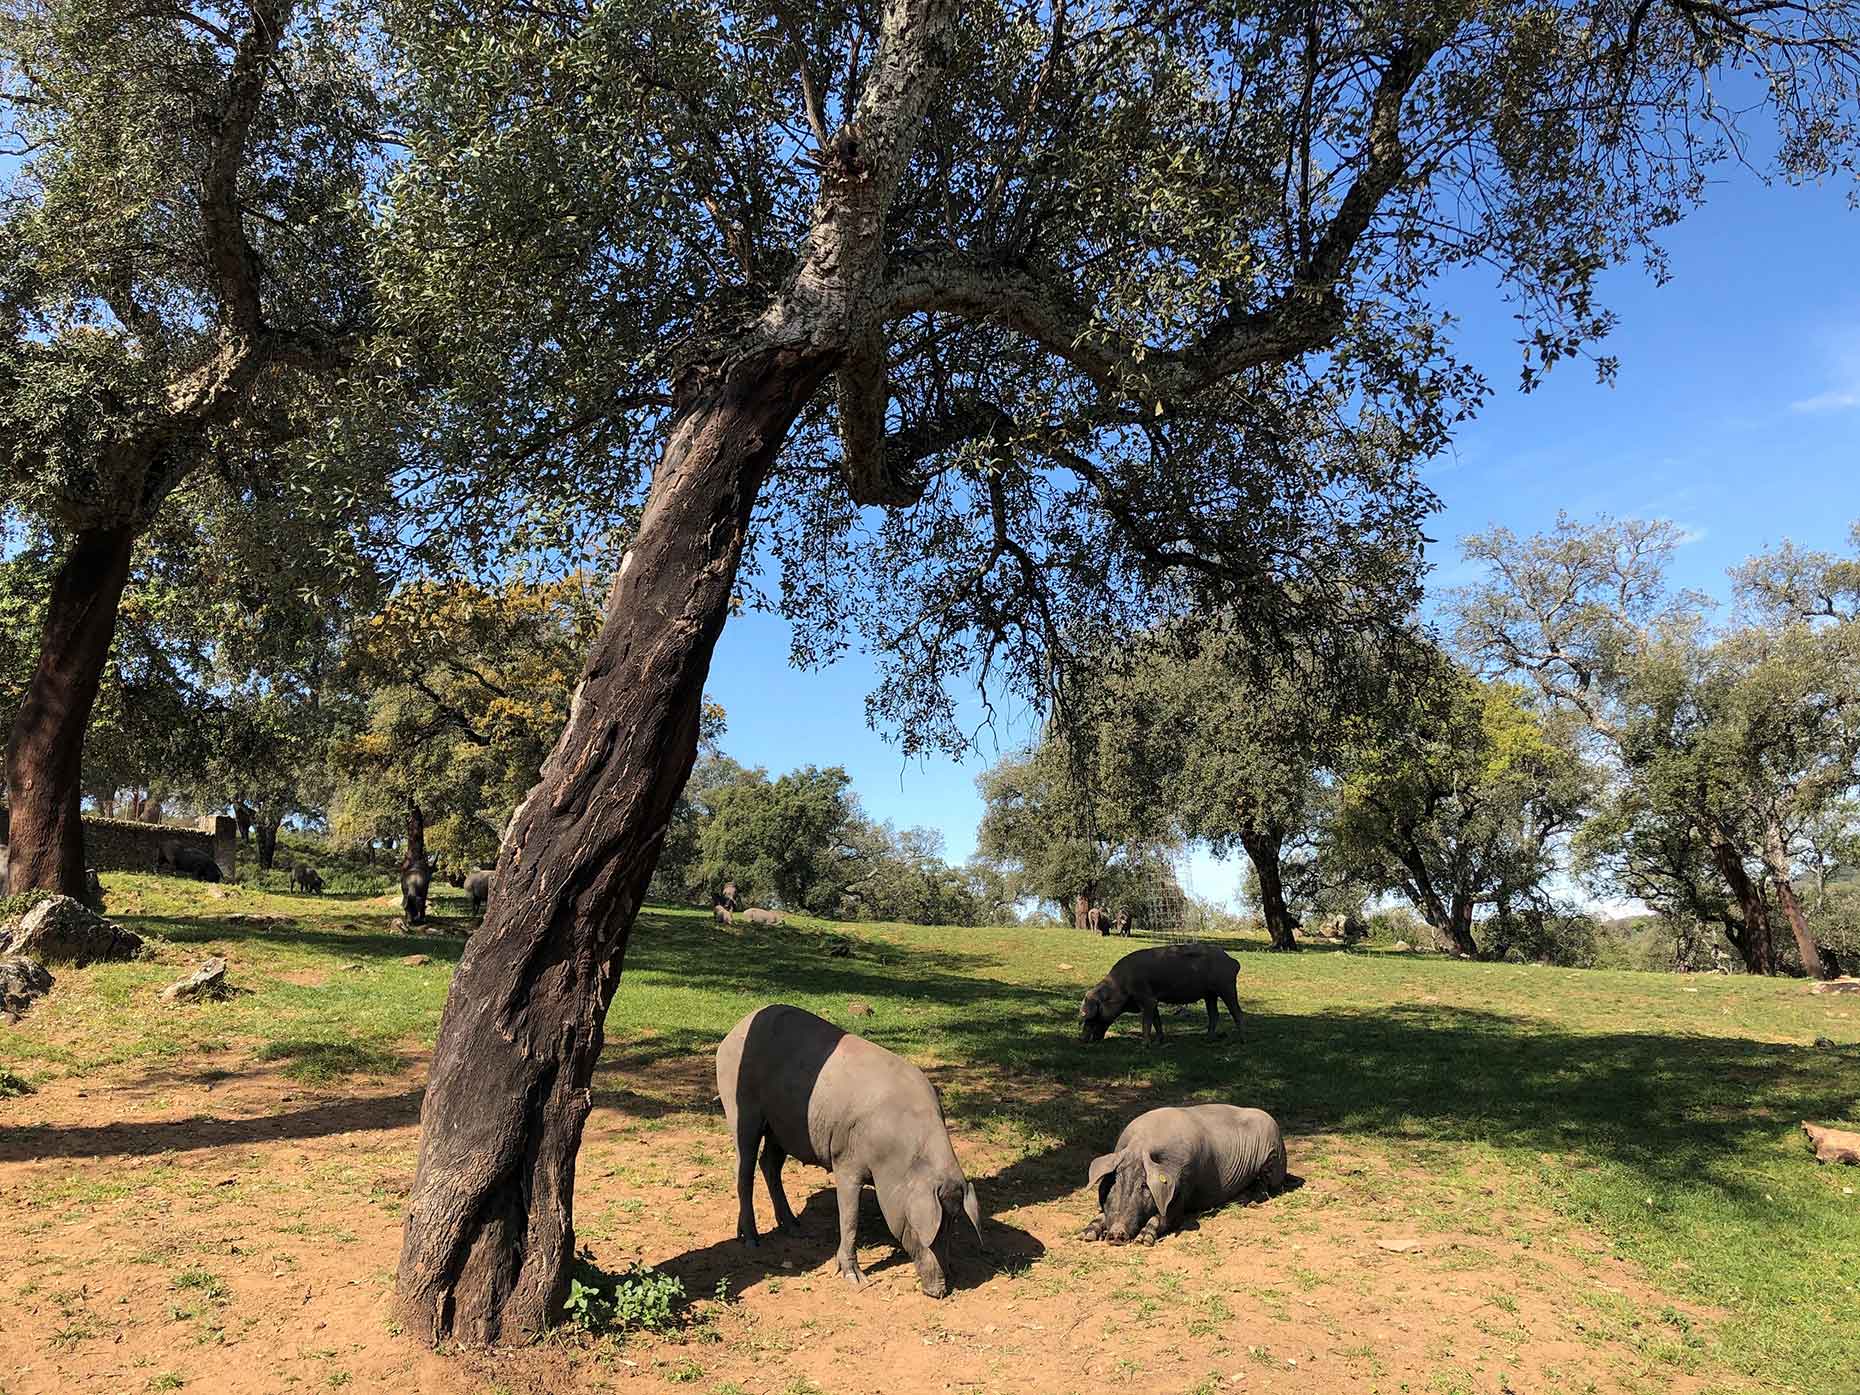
(36, 1142)
(781, 1255)
(1677, 1108)
(430, 940)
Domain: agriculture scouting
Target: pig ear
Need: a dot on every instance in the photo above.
(923, 1214)
(1161, 1184)
(973, 1210)
(1100, 1172)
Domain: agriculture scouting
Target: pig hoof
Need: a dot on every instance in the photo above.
(1094, 1231)
(850, 1272)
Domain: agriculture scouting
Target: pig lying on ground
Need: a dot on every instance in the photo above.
(1172, 1162)
(755, 915)
(798, 1086)
(1169, 974)
(478, 886)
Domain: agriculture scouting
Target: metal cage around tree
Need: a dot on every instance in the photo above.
(1164, 906)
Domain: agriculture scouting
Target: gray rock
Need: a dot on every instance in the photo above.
(65, 930)
(208, 981)
(21, 980)
(1402, 946)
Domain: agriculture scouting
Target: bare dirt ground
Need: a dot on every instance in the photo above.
(214, 1226)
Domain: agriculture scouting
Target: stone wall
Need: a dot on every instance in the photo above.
(125, 845)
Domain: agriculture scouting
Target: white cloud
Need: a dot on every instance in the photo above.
(1838, 400)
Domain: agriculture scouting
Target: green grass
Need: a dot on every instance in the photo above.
(1658, 1113)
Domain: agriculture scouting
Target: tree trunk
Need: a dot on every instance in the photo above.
(415, 852)
(1776, 858)
(151, 811)
(1081, 912)
(244, 818)
(1459, 927)
(45, 754)
(267, 843)
(1758, 944)
(490, 1236)
(1263, 850)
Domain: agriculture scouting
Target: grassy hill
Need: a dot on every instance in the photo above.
(1518, 1178)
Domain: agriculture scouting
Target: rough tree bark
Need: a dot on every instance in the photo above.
(414, 855)
(1757, 945)
(1776, 859)
(244, 818)
(489, 1233)
(45, 754)
(1263, 849)
(267, 843)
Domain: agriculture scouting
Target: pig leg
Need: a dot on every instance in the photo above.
(1152, 1019)
(748, 1135)
(1232, 999)
(773, 1156)
(1151, 1232)
(848, 1183)
(1094, 1231)
(1214, 1018)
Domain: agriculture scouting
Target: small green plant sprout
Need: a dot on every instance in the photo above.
(639, 1297)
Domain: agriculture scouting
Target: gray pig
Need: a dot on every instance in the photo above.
(801, 1087)
(415, 879)
(1171, 1162)
(478, 886)
(1169, 974)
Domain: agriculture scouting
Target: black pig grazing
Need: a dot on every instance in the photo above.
(308, 879)
(1170, 974)
(415, 880)
(1171, 1162)
(187, 861)
(478, 886)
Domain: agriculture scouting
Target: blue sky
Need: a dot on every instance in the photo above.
(1736, 413)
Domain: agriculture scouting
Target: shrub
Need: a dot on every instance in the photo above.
(636, 1298)
(1396, 923)
(14, 906)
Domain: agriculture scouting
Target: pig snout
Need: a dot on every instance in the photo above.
(933, 1270)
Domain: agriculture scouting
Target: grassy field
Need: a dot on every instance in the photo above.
(1518, 1178)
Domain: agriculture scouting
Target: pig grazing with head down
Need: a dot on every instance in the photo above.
(1171, 974)
(478, 886)
(1171, 1162)
(797, 1086)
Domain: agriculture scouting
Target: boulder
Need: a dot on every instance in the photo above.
(21, 980)
(208, 981)
(417, 960)
(1836, 985)
(1402, 946)
(65, 930)
(1833, 1145)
